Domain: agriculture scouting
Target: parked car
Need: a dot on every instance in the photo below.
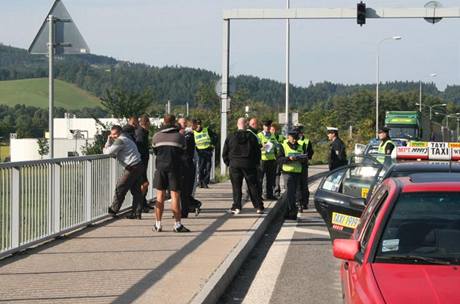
(406, 247)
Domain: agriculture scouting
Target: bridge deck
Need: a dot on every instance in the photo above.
(122, 261)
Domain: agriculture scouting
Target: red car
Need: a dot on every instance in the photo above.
(406, 248)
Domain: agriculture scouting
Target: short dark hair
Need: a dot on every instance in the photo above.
(169, 119)
(116, 127)
(144, 118)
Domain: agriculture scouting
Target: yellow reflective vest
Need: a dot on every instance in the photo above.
(202, 139)
(292, 166)
(263, 141)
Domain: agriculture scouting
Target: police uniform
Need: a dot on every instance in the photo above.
(304, 194)
(386, 146)
(292, 172)
(204, 148)
(337, 152)
(268, 161)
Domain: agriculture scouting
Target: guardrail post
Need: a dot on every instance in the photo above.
(55, 197)
(15, 200)
(88, 189)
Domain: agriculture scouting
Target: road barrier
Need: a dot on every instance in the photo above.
(40, 200)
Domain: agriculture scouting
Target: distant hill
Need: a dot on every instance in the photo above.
(96, 74)
(34, 92)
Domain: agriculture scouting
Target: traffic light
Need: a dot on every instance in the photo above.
(361, 13)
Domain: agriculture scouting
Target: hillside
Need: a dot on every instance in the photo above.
(96, 74)
(34, 92)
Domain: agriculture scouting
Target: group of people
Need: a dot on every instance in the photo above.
(259, 156)
(176, 145)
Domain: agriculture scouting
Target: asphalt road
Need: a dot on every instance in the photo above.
(293, 263)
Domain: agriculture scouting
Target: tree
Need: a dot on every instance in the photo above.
(43, 147)
(123, 104)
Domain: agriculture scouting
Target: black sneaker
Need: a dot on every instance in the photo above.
(181, 228)
(134, 216)
(156, 228)
(111, 211)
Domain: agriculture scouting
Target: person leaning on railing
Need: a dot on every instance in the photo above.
(126, 153)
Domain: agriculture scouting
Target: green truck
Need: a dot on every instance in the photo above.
(406, 125)
(413, 125)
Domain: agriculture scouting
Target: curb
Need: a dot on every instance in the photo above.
(215, 287)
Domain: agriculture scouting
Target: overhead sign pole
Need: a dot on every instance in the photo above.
(58, 35)
(431, 13)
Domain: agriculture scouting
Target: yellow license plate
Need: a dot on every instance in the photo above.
(364, 192)
(345, 220)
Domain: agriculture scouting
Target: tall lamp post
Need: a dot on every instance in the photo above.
(378, 81)
(420, 94)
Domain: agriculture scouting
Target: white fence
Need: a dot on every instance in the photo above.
(40, 200)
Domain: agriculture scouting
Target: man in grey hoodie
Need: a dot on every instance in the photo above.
(127, 154)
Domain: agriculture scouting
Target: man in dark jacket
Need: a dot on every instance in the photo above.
(129, 129)
(141, 136)
(168, 146)
(187, 200)
(337, 153)
(242, 154)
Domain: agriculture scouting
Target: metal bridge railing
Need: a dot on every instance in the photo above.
(40, 200)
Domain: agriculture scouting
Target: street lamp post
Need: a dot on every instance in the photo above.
(378, 81)
(420, 94)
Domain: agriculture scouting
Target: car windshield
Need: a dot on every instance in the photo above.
(407, 133)
(423, 228)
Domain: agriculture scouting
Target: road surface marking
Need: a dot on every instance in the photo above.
(312, 231)
(263, 285)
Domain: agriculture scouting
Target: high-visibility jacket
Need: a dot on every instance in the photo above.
(292, 166)
(382, 149)
(305, 141)
(264, 140)
(383, 146)
(202, 139)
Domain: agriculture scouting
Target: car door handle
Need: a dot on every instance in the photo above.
(345, 265)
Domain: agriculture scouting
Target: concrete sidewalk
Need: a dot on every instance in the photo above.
(123, 261)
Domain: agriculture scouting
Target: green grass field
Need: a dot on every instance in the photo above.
(34, 92)
(4, 152)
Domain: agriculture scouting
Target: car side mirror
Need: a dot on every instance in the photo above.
(345, 249)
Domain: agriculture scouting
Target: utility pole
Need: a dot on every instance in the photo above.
(288, 53)
(186, 110)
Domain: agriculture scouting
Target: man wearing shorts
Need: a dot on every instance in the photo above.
(169, 148)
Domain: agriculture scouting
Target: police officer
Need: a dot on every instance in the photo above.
(337, 153)
(386, 145)
(268, 157)
(292, 157)
(205, 140)
(303, 198)
(279, 141)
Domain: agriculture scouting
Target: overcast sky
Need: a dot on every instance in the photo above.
(189, 33)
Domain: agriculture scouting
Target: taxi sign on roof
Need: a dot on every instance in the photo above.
(429, 151)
